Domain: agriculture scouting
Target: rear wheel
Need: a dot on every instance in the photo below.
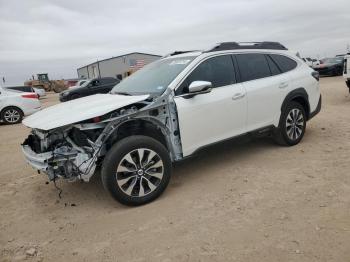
(292, 125)
(136, 170)
(11, 115)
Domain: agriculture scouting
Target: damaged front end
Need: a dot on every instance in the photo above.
(58, 155)
(74, 151)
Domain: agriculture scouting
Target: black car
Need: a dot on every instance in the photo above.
(95, 86)
(331, 66)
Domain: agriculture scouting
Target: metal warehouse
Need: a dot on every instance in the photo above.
(119, 66)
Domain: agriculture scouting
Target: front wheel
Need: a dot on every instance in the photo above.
(136, 170)
(292, 125)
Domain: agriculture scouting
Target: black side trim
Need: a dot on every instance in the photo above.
(317, 110)
(296, 93)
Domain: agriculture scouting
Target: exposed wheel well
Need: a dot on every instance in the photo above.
(137, 127)
(300, 96)
(301, 100)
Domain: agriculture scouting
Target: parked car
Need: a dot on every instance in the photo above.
(333, 66)
(346, 72)
(95, 86)
(79, 83)
(14, 105)
(39, 91)
(311, 61)
(170, 109)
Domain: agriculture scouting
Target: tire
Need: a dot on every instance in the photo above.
(348, 84)
(133, 182)
(290, 131)
(11, 115)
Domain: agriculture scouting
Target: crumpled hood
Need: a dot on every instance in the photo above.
(78, 110)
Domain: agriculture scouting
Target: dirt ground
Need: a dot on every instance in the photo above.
(244, 200)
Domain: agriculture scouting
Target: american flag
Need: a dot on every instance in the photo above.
(137, 64)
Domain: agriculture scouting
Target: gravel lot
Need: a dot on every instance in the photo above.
(244, 200)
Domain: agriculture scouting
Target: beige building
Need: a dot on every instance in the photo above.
(119, 66)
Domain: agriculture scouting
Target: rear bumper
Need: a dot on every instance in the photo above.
(326, 71)
(317, 110)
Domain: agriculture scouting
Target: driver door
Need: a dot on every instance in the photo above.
(220, 114)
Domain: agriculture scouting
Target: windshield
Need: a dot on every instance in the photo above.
(333, 60)
(154, 78)
(85, 83)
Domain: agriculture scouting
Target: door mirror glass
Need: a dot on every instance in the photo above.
(200, 87)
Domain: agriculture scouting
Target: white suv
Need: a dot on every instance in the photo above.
(169, 110)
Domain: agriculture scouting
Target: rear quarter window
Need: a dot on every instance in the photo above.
(284, 63)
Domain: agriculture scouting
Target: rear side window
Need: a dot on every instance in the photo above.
(284, 63)
(273, 67)
(217, 70)
(253, 66)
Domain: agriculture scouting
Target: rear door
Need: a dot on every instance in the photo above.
(106, 84)
(214, 116)
(264, 84)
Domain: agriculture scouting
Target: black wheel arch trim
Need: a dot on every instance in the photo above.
(317, 110)
(298, 93)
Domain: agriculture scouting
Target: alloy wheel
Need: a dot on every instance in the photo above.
(140, 172)
(294, 124)
(12, 116)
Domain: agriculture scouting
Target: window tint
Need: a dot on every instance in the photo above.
(105, 81)
(284, 63)
(273, 67)
(253, 66)
(217, 70)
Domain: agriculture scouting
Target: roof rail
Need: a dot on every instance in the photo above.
(247, 45)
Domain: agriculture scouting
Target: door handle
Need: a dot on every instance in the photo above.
(238, 96)
(283, 85)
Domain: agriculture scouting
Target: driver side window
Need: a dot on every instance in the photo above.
(217, 70)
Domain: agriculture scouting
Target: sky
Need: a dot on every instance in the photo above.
(59, 36)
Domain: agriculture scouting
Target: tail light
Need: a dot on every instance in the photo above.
(316, 75)
(35, 96)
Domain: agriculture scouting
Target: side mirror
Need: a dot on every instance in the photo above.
(200, 87)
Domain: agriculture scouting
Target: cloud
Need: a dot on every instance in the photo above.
(57, 36)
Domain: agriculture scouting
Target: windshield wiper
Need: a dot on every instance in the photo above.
(123, 93)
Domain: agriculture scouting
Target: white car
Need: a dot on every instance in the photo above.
(311, 62)
(14, 105)
(170, 109)
(40, 92)
(346, 72)
(29, 89)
